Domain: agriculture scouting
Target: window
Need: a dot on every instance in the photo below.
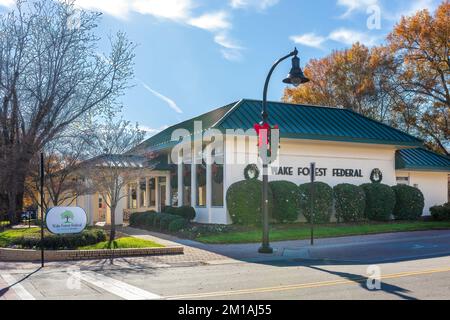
(151, 192)
(217, 185)
(186, 184)
(403, 180)
(100, 202)
(132, 196)
(201, 184)
(142, 190)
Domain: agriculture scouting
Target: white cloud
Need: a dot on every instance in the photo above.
(345, 36)
(230, 49)
(7, 3)
(167, 100)
(258, 4)
(309, 39)
(414, 7)
(169, 9)
(356, 5)
(117, 8)
(212, 21)
(349, 37)
(152, 131)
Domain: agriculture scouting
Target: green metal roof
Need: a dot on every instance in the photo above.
(295, 121)
(422, 160)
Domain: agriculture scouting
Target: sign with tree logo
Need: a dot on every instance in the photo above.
(63, 220)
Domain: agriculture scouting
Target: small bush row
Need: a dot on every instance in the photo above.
(158, 221)
(61, 242)
(441, 213)
(371, 201)
(186, 212)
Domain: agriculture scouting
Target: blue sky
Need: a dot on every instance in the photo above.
(196, 55)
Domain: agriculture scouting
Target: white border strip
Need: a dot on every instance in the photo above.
(114, 286)
(21, 292)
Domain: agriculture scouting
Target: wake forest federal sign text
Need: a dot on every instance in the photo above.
(320, 172)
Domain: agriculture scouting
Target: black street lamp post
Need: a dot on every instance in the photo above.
(295, 78)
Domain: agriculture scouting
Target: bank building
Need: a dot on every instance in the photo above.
(345, 146)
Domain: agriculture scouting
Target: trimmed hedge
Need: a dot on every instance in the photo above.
(157, 221)
(61, 242)
(244, 202)
(380, 201)
(409, 203)
(323, 201)
(350, 202)
(285, 201)
(186, 212)
(177, 224)
(441, 213)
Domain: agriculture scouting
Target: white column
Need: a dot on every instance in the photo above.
(193, 182)
(138, 194)
(157, 198)
(147, 193)
(168, 202)
(180, 181)
(208, 192)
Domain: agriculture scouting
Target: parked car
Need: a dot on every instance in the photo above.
(28, 215)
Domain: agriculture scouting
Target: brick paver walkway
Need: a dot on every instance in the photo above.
(191, 254)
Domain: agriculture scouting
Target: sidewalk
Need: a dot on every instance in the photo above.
(355, 249)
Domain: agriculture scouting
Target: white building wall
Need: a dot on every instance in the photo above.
(434, 186)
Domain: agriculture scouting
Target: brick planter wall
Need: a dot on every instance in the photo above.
(63, 255)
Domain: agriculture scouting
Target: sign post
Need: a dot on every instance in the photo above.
(42, 208)
(313, 177)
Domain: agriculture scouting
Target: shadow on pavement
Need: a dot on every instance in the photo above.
(385, 287)
(3, 291)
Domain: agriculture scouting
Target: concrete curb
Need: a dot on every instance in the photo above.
(21, 255)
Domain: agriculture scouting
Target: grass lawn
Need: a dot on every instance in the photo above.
(7, 236)
(125, 243)
(302, 231)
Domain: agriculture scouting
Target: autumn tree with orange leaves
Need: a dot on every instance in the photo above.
(404, 83)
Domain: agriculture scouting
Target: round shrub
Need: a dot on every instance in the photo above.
(322, 204)
(186, 212)
(441, 213)
(409, 202)
(136, 219)
(285, 201)
(244, 202)
(380, 201)
(166, 219)
(350, 202)
(177, 224)
(157, 219)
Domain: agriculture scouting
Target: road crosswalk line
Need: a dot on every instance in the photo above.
(116, 287)
(18, 288)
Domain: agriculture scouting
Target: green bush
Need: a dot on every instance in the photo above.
(157, 219)
(441, 213)
(380, 201)
(136, 219)
(244, 202)
(285, 201)
(186, 212)
(166, 219)
(323, 201)
(409, 203)
(177, 224)
(350, 202)
(60, 242)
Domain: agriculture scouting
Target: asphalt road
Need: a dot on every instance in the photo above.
(411, 277)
